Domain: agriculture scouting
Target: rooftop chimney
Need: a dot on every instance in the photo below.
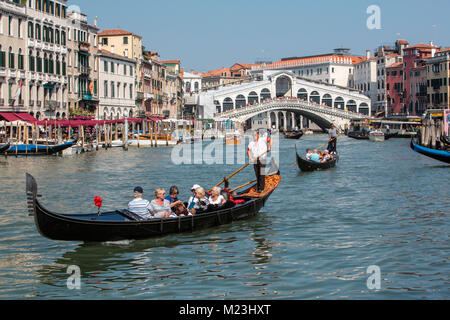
(368, 54)
(95, 21)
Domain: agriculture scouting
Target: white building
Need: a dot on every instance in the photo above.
(366, 77)
(116, 86)
(46, 57)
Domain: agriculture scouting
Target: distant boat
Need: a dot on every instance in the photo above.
(294, 135)
(4, 147)
(39, 149)
(377, 136)
(440, 155)
(358, 135)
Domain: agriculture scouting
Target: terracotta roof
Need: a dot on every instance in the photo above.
(117, 32)
(402, 41)
(444, 50)
(170, 61)
(422, 46)
(109, 53)
(396, 65)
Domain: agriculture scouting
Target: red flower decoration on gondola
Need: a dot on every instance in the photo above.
(98, 203)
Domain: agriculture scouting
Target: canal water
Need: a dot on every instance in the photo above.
(381, 214)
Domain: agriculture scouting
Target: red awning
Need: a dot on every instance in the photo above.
(26, 116)
(9, 116)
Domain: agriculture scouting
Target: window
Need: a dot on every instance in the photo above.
(105, 64)
(125, 40)
(10, 26)
(11, 64)
(2, 58)
(112, 67)
(106, 89)
(112, 89)
(105, 41)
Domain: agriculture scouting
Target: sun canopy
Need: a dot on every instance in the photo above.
(14, 116)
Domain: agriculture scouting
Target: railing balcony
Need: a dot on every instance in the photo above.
(2, 72)
(84, 70)
(21, 103)
(38, 104)
(11, 102)
(31, 103)
(51, 105)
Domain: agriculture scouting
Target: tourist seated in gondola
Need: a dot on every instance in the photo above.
(139, 205)
(315, 156)
(308, 154)
(192, 199)
(160, 207)
(325, 157)
(201, 204)
(216, 199)
(176, 205)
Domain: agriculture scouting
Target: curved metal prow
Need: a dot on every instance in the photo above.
(274, 170)
(31, 190)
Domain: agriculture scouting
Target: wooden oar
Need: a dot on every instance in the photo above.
(244, 185)
(236, 172)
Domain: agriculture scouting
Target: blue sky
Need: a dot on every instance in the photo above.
(211, 34)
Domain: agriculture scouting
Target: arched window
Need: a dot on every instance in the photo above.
(37, 31)
(11, 63)
(63, 38)
(351, 105)
(364, 108)
(30, 30)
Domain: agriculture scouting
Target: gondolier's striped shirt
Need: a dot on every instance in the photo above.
(140, 207)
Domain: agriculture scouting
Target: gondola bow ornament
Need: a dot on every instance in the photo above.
(98, 203)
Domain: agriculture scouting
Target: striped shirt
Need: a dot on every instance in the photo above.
(140, 207)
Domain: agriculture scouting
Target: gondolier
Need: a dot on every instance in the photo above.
(257, 153)
(334, 134)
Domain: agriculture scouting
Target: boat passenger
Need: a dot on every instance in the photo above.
(326, 156)
(139, 205)
(202, 202)
(315, 157)
(160, 207)
(216, 198)
(308, 154)
(173, 197)
(193, 199)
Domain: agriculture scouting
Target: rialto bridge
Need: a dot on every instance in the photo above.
(283, 97)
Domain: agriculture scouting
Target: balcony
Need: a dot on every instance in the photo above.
(51, 105)
(148, 96)
(2, 72)
(12, 73)
(38, 104)
(31, 103)
(140, 96)
(21, 103)
(2, 102)
(11, 102)
(84, 71)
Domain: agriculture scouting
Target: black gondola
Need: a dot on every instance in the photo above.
(5, 147)
(440, 155)
(124, 225)
(294, 135)
(308, 166)
(359, 135)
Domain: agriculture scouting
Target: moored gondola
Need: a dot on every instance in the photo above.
(308, 166)
(124, 225)
(440, 155)
(39, 149)
(358, 135)
(4, 147)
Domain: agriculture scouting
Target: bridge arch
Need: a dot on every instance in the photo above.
(302, 93)
(339, 103)
(327, 100)
(363, 108)
(283, 86)
(314, 97)
(265, 94)
(351, 105)
(228, 104)
(241, 101)
(253, 98)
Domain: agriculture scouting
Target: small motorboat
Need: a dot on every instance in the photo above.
(358, 135)
(377, 136)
